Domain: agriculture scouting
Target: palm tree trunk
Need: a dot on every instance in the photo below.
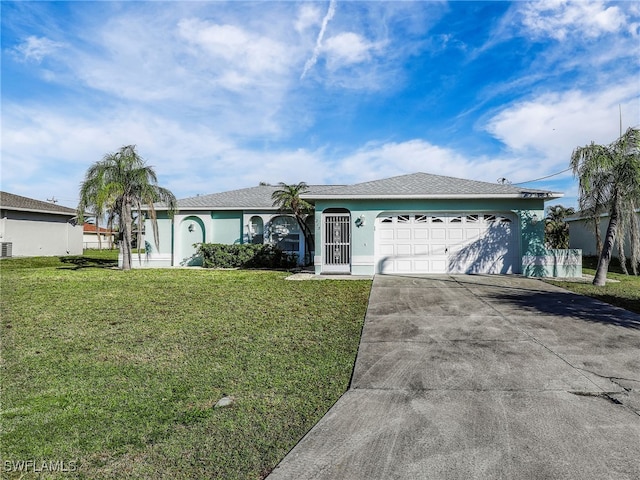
(596, 222)
(308, 239)
(110, 230)
(98, 233)
(607, 249)
(126, 234)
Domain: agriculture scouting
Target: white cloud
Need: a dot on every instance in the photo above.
(347, 48)
(131, 57)
(231, 77)
(380, 160)
(548, 127)
(561, 18)
(308, 16)
(36, 49)
(72, 143)
(193, 158)
(239, 48)
(375, 161)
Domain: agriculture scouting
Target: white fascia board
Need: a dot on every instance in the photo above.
(552, 196)
(36, 210)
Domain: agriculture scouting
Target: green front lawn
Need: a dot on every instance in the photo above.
(625, 292)
(116, 374)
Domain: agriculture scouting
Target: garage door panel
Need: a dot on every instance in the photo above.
(421, 265)
(403, 249)
(438, 266)
(385, 234)
(472, 233)
(403, 266)
(421, 234)
(455, 249)
(438, 234)
(421, 249)
(386, 250)
(438, 249)
(386, 265)
(455, 234)
(447, 243)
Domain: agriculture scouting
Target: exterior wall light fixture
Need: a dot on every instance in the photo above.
(190, 228)
(360, 221)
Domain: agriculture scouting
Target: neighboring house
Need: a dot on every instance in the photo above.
(30, 228)
(582, 234)
(93, 237)
(417, 223)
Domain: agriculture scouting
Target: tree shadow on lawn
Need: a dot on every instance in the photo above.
(78, 262)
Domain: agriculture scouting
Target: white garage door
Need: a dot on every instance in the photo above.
(447, 243)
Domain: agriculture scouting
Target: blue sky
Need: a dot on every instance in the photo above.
(218, 95)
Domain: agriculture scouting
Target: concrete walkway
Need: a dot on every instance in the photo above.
(482, 377)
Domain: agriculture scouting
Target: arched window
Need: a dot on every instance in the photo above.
(256, 230)
(285, 233)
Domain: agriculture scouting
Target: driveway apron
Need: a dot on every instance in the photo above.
(482, 377)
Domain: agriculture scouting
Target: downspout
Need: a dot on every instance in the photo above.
(173, 243)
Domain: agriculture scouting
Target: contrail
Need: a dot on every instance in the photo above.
(316, 51)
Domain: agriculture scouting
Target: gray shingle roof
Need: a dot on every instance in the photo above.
(254, 198)
(416, 185)
(9, 201)
(425, 185)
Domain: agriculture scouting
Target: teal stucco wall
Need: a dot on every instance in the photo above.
(363, 238)
(226, 227)
(532, 240)
(563, 263)
(165, 234)
(159, 255)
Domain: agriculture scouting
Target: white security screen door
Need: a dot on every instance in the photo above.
(337, 243)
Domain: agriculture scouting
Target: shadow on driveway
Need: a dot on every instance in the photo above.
(547, 300)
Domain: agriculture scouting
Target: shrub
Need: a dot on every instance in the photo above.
(217, 255)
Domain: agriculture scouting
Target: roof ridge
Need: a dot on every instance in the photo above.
(422, 184)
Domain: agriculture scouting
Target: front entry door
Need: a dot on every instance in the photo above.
(337, 243)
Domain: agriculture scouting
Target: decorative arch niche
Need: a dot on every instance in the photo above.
(191, 232)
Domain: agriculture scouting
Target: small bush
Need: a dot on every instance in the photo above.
(217, 255)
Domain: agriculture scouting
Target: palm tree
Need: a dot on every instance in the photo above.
(609, 178)
(592, 205)
(287, 199)
(118, 185)
(556, 229)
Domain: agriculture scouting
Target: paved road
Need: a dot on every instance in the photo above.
(482, 377)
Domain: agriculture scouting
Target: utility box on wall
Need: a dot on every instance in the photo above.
(6, 249)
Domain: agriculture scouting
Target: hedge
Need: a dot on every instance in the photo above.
(217, 255)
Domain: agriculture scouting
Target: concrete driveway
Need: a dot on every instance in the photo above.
(482, 377)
